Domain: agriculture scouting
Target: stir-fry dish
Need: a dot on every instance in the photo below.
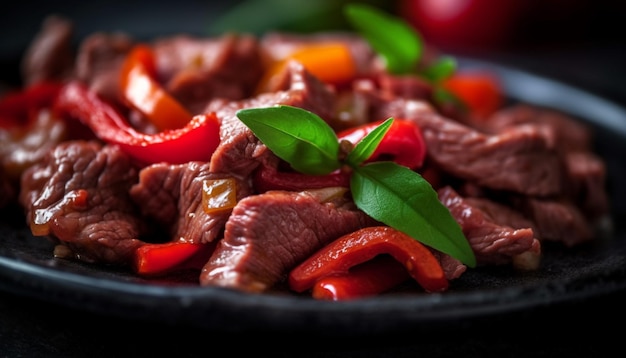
(333, 165)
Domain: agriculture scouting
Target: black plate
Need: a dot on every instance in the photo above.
(566, 275)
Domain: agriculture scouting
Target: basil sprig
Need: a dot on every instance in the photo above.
(395, 41)
(401, 47)
(390, 193)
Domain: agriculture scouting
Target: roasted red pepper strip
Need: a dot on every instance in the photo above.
(144, 93)
(403, 143)
(196, 141)
(373, 277)
(480, 91)
(269, 178)
(159, 259)
(18, 108)
(362, 245)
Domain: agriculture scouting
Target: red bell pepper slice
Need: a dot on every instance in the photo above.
(480, 91)
(144, 93)
(20, 107)
(403, 143)
(269, 178)
(373, 277)
(159, 259)
(195, 142)
(362, 245)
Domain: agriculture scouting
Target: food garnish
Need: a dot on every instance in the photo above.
(388, 192)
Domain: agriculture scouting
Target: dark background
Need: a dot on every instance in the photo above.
(576, 42)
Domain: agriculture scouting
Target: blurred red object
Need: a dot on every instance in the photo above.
(479, 25)
(464, 24)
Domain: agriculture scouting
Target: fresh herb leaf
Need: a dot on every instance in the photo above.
(389, 193)
(299, 137)
(366, 146)
(393, 39)
(440, 70)
(444, 97)
(403, 199)
(401, 46)
(260, 16)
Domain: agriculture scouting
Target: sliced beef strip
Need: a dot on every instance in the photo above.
(22, 147)
(269, 234)
(452, 267)
(79, 195)
(193, 70)
(518, 159)
(493, 243)
(585, 172)
(566, 133)
(501, 213)
(98, 62)
(404, 86)
(587, 183)
(171, 195)
(240, 152)
(196, 70)
(556, 220)
(50, 56)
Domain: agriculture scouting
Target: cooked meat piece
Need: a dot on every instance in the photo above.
(452, 267)
(196, 70)
(566, 133)
(98, 62)
(23, 147)
(492, 242)
(269, 234)
(414, 87)
(587, 183)
(79, 195)
(240, 152)
(171, 195)
(557, 220)
(518, 159)
(50, 56)
(501, 213)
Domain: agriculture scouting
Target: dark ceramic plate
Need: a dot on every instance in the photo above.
(566, 275)
(28, 269)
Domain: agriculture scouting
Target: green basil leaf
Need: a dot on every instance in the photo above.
(444, 97)
(402, 199)
(262, 16)
(440, 70)
(392, 38)
(366, 146)
(297, 136)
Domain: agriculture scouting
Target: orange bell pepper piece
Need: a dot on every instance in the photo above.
(330, 62)
(144, 93)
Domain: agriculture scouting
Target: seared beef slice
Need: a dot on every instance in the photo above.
(493, 242)
(79, 195)
(269, 234)
(171, 195)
